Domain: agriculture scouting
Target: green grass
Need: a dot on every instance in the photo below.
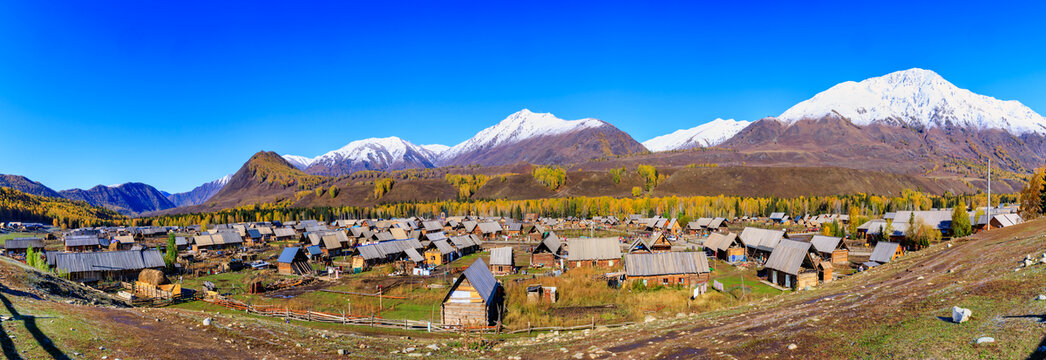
(4, 237)
(757, 287)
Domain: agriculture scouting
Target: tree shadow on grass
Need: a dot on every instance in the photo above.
(29, 322)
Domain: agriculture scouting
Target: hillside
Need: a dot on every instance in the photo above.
(127, 199)
(19, 206)
(899, 310)
(24, 184)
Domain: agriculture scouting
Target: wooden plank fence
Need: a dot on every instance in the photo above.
(375, 321)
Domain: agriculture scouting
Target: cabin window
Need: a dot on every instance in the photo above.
(664, 281)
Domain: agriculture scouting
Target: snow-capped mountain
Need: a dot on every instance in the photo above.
(918, 98)
(391, 153)
(200, 194)
(708, 134)
(520, 126)
(540, 138)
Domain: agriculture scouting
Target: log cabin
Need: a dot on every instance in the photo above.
(726, 247)
(502, 261)
(687, 269)
(601, 252)
(793, 265)
(293, 261)
(831, 249)
(475, 299)
(548, 252)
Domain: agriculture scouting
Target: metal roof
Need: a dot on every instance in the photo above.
(593, 249)
(284, 232)
(462, 242)
(443, 246)
(939, 219)
(489, 227)
(777, 216)
(716, 223)
(552, 243)
(108, 261)
(24, 243)
(720, 241)
(289, 254)
(825, 244)
(667, 263)
(413, 255)
(501, 256)
(479, 275)
(82, 240)
(883, 252)
(435, 236)
(762, 239)
(431, 226)
(371, 252)
(788, 256)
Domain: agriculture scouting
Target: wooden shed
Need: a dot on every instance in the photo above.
(832, 249)
(792, 265)
(475, 299)
(293, 261)
(547, 252)
(667, 269)
(603, 252)
(725, 247)
(501, 261)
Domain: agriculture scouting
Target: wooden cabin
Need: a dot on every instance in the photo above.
(884, 252)
(21, 245)
(121, 242)
(475, 299)
(726, 247)
(658, 242)
(124, 265)
(792, 265)
(601, 252)
(439, 252)
(502, 261)
(760, 243)
(82, 243)
(293, 261)
(831, 249)
(487, 230)
(548, 252)
(686, 269)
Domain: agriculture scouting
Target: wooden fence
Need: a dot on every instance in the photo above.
(374, 321)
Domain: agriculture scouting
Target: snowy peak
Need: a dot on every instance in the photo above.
(520, 126)
(709, 134)
(391, 153)
(920, 98)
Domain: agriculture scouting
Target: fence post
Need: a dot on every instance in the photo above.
(343, 317)
(528, 327)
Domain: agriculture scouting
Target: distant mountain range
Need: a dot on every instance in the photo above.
(128, 199)
(908, 122)
(198, 195)
(525, 136)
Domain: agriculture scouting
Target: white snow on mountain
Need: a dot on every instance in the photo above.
(517, 127)
(917, 97)
(387, 151)
(435, 148)
(222, 181)
(712, 133)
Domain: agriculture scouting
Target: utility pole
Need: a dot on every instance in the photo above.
(988, 210)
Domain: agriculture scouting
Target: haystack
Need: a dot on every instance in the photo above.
(152, 276)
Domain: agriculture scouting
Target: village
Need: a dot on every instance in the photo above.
(468, 274)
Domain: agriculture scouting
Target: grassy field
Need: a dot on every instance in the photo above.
(12, 235)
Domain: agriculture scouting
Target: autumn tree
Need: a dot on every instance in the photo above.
(961, 222)
(1033, 197)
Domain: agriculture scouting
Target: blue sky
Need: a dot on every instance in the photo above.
(175, 94)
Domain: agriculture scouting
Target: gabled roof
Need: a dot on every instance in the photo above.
(24, 243)
(788, 256)
(501, 256)
(108, 261)
(777, 216)
(398, 233)
(284, 232)
(469, 225)
(552, 243)
(716, 223)
(666, 263)
(434, 236)
(289, 254)
(443, 246)
(761, 239)
(938, 219)
(463, 241)
(413, 255)
(883, 252)
(432, 226)
(593, 249)
(825, 244)
(719, 241)
(489, 228)
(124, 239)
(82, 240)
(331, 242)
(479, 275)
(371, 251)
